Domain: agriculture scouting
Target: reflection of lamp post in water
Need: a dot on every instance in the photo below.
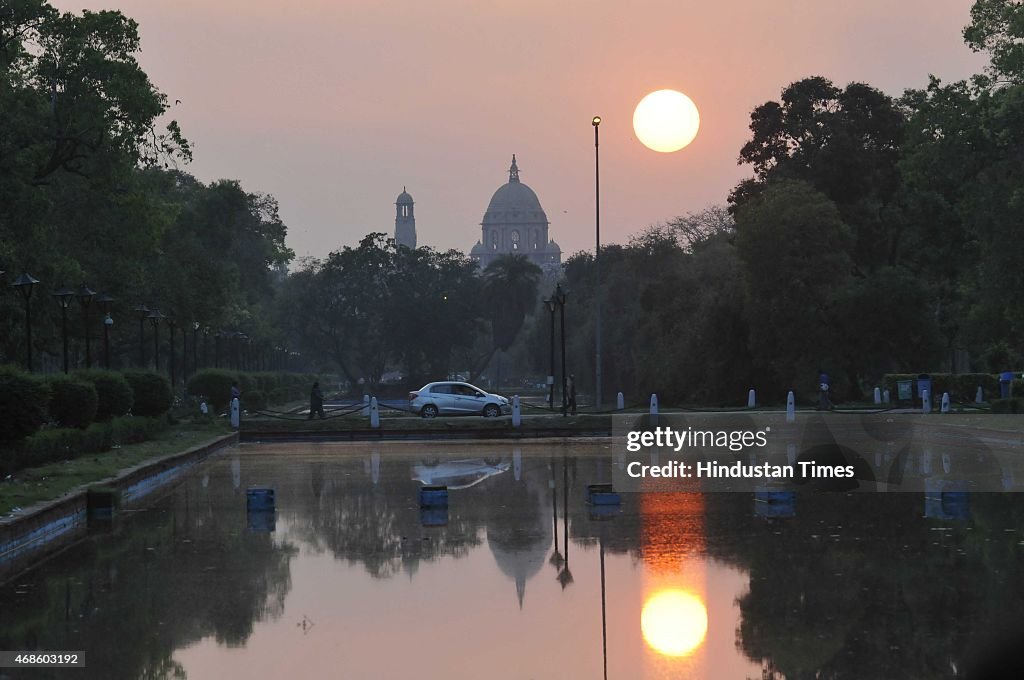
(556, 558)
(565, 576)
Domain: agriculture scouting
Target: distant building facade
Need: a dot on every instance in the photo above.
(516, 224)
(405, 221)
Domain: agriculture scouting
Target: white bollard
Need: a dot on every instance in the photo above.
(790, 407)
(926, 402)
(751, 399)
(979, 397)
(654, 404)
(878, 396)
(885, 397)
(945, 402)
(517, 414)
(374, 413)
(235, 413)
(366, 405)
(620, 401)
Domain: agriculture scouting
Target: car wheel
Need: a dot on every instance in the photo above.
(491, 411)
(429, 411)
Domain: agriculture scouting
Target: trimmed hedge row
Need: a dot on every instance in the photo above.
(49, 446)
(258, 389)
(962, 387)
(28, 401)
(24, 402)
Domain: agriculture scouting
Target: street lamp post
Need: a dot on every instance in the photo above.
(64, 296)
(143, 312)
(105, 301)
(551, 305)
(597, 265)
(170, 332)
(195, 346)
(155, 317)
(560, 297)
(24, 284)
(85, 297)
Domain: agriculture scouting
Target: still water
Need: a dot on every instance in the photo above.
(519, 577)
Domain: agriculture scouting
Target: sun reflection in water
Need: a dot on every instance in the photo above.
(674, 622)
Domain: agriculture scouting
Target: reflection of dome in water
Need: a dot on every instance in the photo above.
(519, 535)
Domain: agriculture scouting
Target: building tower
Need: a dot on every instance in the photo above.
(405, 221)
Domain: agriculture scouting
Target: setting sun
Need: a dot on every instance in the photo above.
(674, 622)
(666, 121)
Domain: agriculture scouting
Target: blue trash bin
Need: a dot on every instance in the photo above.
(924, 382)
(1005, 380)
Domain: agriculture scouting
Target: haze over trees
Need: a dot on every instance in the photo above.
(875, 234)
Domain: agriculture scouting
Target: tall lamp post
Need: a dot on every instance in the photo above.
(596, 122)
(195, 346)
(64, 296)
(560, 298)
(169, 319)
(106, 301)
(85, 297)
(143, 312)
(24, 284)
(551, 305)
(155, 317)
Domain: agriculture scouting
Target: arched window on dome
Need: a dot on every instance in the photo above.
(515, 239)
(494, 240)
(536, 239)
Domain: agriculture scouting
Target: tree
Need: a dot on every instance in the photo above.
(997, 27)
(510, 294)
(796, 252)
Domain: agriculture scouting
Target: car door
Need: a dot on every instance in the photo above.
(443, 398)
(465, 398)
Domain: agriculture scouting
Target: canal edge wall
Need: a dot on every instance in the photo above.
(49, 525)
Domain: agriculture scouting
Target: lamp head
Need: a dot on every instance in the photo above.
(596, 121)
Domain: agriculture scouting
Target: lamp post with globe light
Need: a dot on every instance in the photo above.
(143, 312)
(105, 301)
(64, 296)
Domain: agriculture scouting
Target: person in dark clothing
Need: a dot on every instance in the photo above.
(570, 389)
(824, 386)
(316, 402)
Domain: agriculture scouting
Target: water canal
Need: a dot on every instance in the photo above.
(519, 577)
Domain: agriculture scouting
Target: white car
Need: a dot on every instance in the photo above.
(456, 398)
(458, 474)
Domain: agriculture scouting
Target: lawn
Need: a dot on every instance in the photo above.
(51, 481)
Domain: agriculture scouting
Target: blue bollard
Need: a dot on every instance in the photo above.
(434, 497)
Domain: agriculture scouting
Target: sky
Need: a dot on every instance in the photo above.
(333, 106)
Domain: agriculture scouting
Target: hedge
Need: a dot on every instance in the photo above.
(151, 393)
(258, 389)
(72, 402)
(214, 385)
(962, 387)
(1014, 405)
(113, 392)
(49, 446)
(24, 399)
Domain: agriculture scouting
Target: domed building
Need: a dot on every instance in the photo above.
(516, 224)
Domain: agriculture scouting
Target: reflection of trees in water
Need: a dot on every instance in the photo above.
(379, 526)
(165, 579)
(894, 596)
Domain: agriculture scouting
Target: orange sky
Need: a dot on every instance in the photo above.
(333, 106)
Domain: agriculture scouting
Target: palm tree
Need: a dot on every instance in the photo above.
(510, 289)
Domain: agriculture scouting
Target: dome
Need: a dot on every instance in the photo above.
(478, 248)
(403, 197)
(514, 202)
(553, 247)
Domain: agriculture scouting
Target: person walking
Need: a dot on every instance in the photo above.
(316, 401)
(570, 390)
